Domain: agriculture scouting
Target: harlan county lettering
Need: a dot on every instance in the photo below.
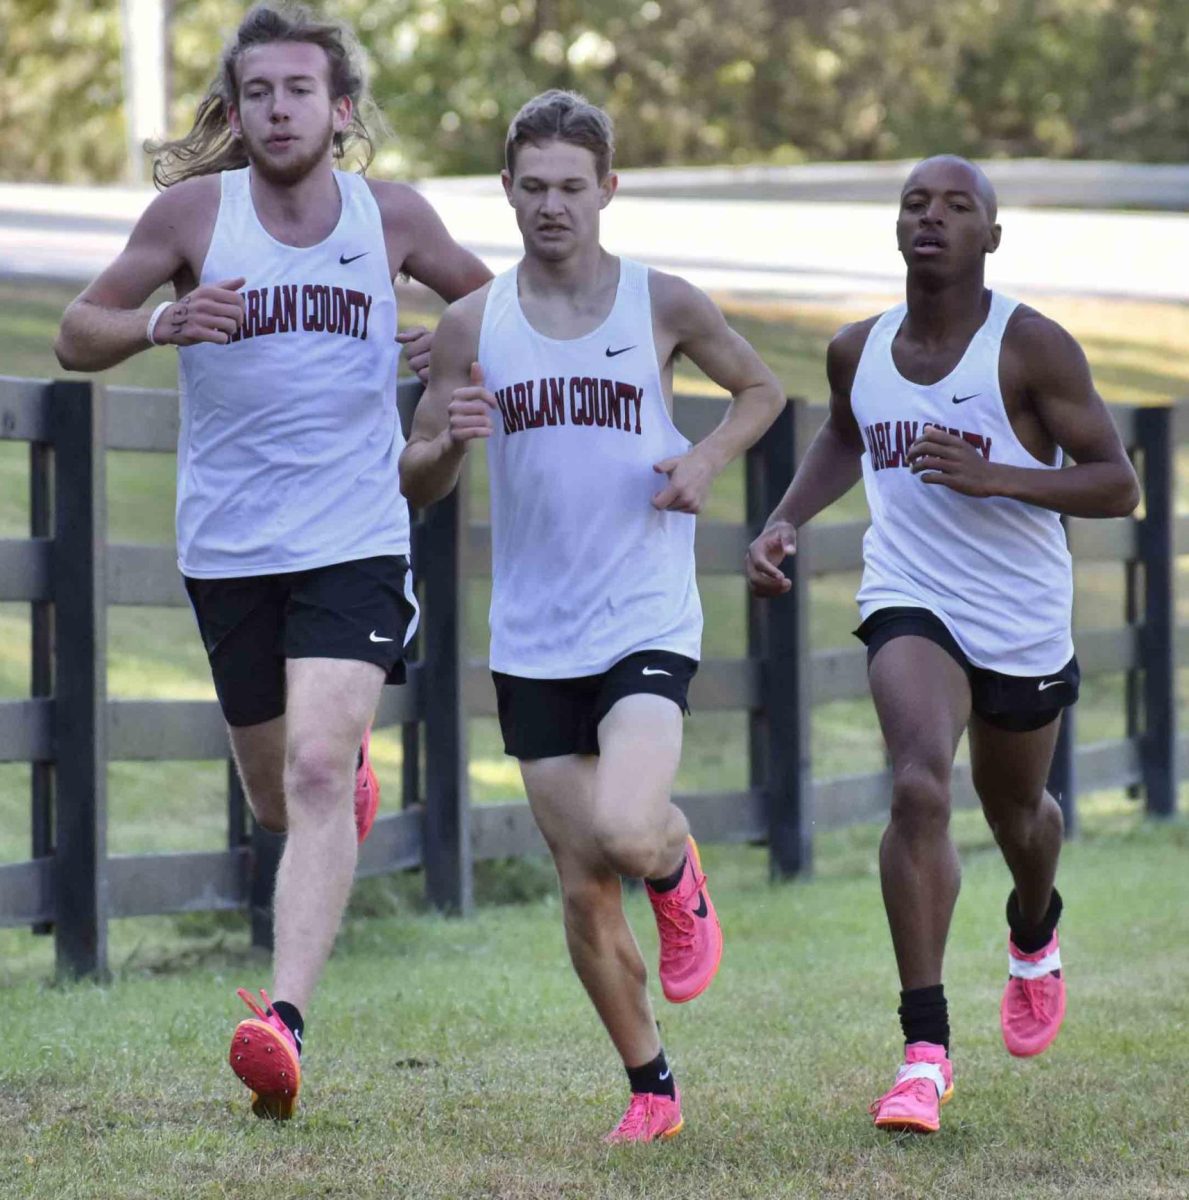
(580, 400)
(308, 307)
(888, 442)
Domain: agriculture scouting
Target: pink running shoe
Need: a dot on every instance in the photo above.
(648, 1118)
(691, 940)
(367, 790)
(264, 1055)
(1033, 1004)
(924, 1082)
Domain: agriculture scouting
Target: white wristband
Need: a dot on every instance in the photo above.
(154, 319)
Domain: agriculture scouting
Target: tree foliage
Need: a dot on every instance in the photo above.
(687, 81)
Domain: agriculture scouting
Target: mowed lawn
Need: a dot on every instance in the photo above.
(460, 1059)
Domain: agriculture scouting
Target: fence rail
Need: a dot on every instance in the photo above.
(69, 730)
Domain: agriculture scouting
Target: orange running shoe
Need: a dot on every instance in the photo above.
(924, 1082)
(1033, 1005)
(264, 1054)
(367, 790)
(648, 1118)
(691, 939)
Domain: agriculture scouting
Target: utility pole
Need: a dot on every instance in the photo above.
(146, 91)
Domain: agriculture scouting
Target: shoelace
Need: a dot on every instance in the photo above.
(1037, 995)
(635, 1120)
(250, 1001)
(673, 909)
(922, 1089)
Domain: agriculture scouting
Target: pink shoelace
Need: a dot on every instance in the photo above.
(679, 926)
(636, 1120)
(1037, 995)
(920, 1089)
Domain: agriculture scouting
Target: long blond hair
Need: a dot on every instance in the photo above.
(209, 147)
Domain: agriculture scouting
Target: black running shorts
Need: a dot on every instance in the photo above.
(544, 718)
(1016, 703)
(362, 610)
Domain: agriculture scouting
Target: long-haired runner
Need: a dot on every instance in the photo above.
(293, 537)
(564, 366)
(954, 408)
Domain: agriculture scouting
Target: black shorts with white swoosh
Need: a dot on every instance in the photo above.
(362, 610)
(544, 718)
(1017, 703)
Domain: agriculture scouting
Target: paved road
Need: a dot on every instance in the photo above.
(775, 247)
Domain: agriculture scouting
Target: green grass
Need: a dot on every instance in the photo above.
(460, 1059)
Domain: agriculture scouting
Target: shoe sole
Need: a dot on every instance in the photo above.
(254, 1046)
(685, 999)
(906, 1125)
(660, 1137)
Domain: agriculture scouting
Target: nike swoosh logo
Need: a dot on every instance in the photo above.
(701, 910)
(665, 1076)
(613, 353)
(375, 637)
(1048, 683)
(344, 260)
(963, 399)
(657, 671)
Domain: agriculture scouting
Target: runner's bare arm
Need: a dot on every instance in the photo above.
(420, 246)
(830, 468)
(700, 331)
(1055, 379)
(424, 249)
(455, 410)
(106, 323)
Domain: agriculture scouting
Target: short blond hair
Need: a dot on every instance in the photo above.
(561, 116)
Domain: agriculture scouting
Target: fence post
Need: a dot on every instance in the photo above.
(237, 808)
(778, 636)
(1158, 744)
(267, 849)
(1062, 782)
(80, 678)
(41, 655)
(446, 849)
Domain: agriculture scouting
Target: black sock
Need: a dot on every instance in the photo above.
(289, 1014)
(669, 882)
(1027, 938)
(654, 1077)
(925, 1016)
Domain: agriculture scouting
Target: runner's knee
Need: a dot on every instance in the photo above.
(921, 798)
(633, 849)
(317, 778)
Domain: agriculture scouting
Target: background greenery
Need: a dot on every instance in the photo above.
(688, 81)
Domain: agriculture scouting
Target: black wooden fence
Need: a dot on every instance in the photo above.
(69, 730)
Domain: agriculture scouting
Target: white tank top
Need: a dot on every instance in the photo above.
(584, 570)
(995, 571)
(289, 434)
